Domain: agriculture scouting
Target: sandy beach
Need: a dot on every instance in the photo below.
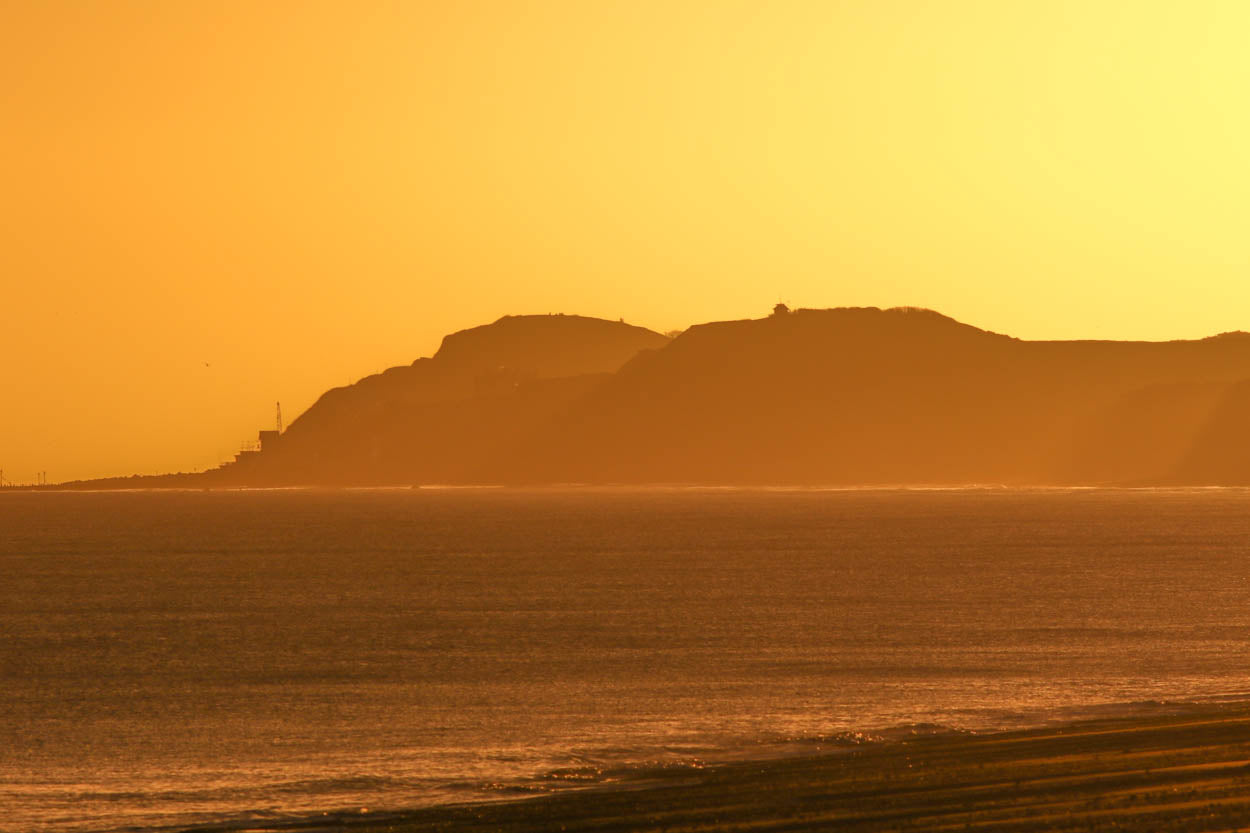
(1185, 770)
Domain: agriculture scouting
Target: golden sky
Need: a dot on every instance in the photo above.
(210, 206)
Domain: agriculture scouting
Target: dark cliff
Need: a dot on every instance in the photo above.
(449, 418)
(837, 397)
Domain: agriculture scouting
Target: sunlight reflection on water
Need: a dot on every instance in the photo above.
(170, 658)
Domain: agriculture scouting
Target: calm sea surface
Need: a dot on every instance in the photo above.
(177, 658)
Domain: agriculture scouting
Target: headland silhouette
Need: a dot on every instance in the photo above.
(838, 397)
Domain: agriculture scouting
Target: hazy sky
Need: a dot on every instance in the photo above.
(212, 206)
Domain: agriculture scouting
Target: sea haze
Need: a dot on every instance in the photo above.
(184, 657)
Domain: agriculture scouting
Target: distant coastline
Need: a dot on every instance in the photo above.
(839, 397)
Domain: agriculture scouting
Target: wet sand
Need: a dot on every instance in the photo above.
(1188, 770)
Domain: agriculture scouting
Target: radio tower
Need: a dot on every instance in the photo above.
(279, 417)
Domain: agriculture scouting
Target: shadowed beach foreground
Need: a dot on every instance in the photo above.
(1185, 771)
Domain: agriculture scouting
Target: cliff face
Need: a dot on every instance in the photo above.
(845, 396)
(448, 417)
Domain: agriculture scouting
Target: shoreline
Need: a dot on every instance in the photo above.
(590, 488)
(1186, 769)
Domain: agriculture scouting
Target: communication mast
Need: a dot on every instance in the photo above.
(279, 417)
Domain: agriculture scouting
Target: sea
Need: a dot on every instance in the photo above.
(171, 660)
